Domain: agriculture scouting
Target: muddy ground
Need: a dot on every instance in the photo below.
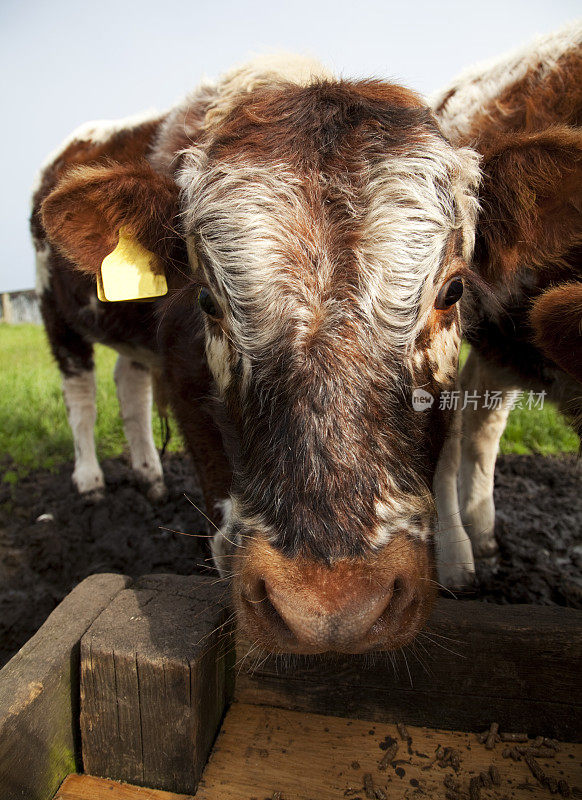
(50, 538)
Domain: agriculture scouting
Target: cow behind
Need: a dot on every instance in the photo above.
(73, 316)
(523, 114)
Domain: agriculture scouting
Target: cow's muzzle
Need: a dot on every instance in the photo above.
(302, 606)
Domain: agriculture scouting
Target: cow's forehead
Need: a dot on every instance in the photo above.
(319, 206)
(318, 124)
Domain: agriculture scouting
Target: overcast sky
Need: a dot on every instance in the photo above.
(65, 62)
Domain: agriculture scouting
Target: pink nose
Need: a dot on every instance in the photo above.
(305, 607)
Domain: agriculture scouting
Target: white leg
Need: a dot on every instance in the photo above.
(482, 430)
(134, 391)
(454, 554)
(79, 392)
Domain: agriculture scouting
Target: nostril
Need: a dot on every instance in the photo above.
(399, 592)
(259, 603)
(255, 592)
(402, 593)
(401, 606)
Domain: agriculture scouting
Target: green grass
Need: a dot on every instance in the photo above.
(541, 431)
(34, 431)
(536, 430)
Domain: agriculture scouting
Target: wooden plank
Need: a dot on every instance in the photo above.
(263, 751)
(154, 682)
(39, 695)
(87, 787)
(476, 662)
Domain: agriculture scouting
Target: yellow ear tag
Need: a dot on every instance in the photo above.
(131, 272)
(100, 292)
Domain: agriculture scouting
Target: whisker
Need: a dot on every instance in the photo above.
(206, 517)
(438, 644)
(183, 533)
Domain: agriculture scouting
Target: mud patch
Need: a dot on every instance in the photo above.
(539, 527)
(41, 561)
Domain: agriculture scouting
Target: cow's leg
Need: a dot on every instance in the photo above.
(134, 391)
(74, 356)
(79, 392)
(482, 429)
(454, 554)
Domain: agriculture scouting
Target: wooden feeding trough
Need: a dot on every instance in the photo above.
(135, 690)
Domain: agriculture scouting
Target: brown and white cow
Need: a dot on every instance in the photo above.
(523, 115)
(73, 316)
(329, 226)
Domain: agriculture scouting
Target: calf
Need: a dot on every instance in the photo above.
(523, 115)
(329, 227)
(75, 319)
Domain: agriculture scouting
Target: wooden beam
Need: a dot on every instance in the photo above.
(87, 787)
(475, 663)
(154, 682)
(39, 695)
(268, 753)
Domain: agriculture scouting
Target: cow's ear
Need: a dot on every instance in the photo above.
(84, 213)
(531, 201)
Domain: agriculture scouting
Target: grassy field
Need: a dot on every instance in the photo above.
(34, 431)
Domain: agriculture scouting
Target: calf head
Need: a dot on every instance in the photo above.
(328, 228)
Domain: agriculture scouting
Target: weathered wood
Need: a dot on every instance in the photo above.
(154, 682)
(87, 787)
(265, 753)
(476, 662)
(39, 695)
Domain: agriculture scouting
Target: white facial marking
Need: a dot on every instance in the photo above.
(443, 351)
(248, 217)
(395, 512)
(224, 508)
(408, 223)
(218, 357)
(225, 542)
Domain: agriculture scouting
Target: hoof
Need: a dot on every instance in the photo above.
(485, 548)
(93, 497)
(157, 492)
(88, 481)
(491, 562)
(459, 578)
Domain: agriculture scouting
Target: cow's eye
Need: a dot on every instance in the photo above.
(450, 293)
(208, 304)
